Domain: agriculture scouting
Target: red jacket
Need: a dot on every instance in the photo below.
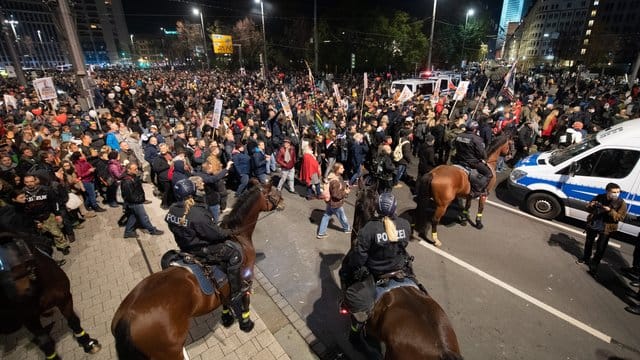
(83, 169)
(280, 158)
(309, 167)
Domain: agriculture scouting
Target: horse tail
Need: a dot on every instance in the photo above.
(424, 186)
(124, 344)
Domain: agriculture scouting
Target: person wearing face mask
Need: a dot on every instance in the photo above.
(605, 211)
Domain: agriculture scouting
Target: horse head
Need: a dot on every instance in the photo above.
(17, 267)
(272, 197)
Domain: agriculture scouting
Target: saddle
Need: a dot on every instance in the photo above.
(476, 179)
(211, 278)
(14, 255)
(393, 280)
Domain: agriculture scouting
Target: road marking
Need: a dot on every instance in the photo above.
(546, 222)
(573, 321)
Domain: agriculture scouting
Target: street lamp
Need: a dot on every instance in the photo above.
(204, 37)
(464, 33)
(433, 24)
(264, 40)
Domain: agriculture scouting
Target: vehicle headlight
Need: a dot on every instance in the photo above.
(517, 174)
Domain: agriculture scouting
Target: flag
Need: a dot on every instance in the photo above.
(510, 81)
(405, 95)
(451, 85)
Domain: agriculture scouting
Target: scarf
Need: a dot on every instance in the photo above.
(287, 156)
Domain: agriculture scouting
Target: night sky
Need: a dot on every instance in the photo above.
(147, 16)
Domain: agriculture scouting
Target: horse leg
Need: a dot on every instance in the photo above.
(90, 345)
(464, 218)
(227, 317)
(437, 215)
(481, 201)
(42, 339)
(246, 324)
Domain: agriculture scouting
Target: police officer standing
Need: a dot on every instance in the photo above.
(470, 152)
(379, 249)
(194, 230)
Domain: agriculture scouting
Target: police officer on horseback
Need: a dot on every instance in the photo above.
(470, 153)
(379, 254)
(196, 232)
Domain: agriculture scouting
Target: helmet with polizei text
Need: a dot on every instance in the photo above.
(387, 204)
(184, 189)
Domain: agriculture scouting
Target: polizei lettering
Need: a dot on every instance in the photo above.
(383, 238)
(170, 218)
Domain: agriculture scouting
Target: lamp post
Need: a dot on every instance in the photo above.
(433, 24)
(264, 40)
(464, 33)
(204, 37)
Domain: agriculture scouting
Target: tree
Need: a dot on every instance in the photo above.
(407, 44)
(245, 33)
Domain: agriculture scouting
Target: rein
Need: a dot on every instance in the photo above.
(274, 206)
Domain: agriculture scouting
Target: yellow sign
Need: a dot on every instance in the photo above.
(222, 44)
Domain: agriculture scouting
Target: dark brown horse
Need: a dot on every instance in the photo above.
(407, 320)
(446, 183)
(31, 286)
(152, 322)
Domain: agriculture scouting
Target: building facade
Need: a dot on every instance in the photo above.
(551, 33)
(100, 24)
(512, 11)
(594, 33)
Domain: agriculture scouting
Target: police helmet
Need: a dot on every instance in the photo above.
(387, 204)
(473, 126)
(184, 189)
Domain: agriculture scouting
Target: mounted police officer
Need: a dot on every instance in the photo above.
(380, 250)
(470, 153)
(195, 231)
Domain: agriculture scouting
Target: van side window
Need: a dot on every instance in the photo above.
(608, 163)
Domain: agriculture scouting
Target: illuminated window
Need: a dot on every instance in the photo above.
(583, 51)
(590, 24)
(588, 32)
(586, 42)
(596, 2)
(593, 13)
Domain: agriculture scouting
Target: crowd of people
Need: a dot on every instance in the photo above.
(160, 127)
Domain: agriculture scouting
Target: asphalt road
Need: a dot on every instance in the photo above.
(512, 290)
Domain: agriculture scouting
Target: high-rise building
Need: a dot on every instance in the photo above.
(100, 24)
(512, 11)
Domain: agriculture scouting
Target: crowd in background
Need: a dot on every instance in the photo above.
(154, 126)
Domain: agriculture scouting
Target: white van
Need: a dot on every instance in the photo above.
(564, 181)
(417, 86)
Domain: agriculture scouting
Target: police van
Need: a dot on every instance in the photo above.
(563, 181)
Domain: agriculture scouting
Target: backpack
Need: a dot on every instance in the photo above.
(397, 152)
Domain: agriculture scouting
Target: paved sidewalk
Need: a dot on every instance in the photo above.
(103, 267)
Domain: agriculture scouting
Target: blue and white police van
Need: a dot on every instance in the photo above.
(563, 181)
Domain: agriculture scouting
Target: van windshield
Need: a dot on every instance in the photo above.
(561, 155)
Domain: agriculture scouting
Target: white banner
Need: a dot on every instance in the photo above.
(217, 113)
(461, 91)
(11, 71)
(366, 83)
(10, 100)
(336, 93)
(45, 88)
(285, 105)
(405, 95)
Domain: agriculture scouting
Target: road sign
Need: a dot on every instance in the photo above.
(222, 44)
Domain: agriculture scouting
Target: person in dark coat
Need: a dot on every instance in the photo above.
(161, 167)
(358, 154)
(426, 156)
(133, 196)
(180, 172)
(242, 164)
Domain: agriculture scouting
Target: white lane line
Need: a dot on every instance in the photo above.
(575, 322)
(546, 222)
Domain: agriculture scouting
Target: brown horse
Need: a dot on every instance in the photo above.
(31, 285)
(446, 183)
(152, 322)
(409, 322)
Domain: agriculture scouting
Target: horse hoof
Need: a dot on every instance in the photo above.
(227, 320)
(437, 243)
(479, 225)
(247, 325)
(92, 347)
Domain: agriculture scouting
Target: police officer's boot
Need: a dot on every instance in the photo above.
(355, 333)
